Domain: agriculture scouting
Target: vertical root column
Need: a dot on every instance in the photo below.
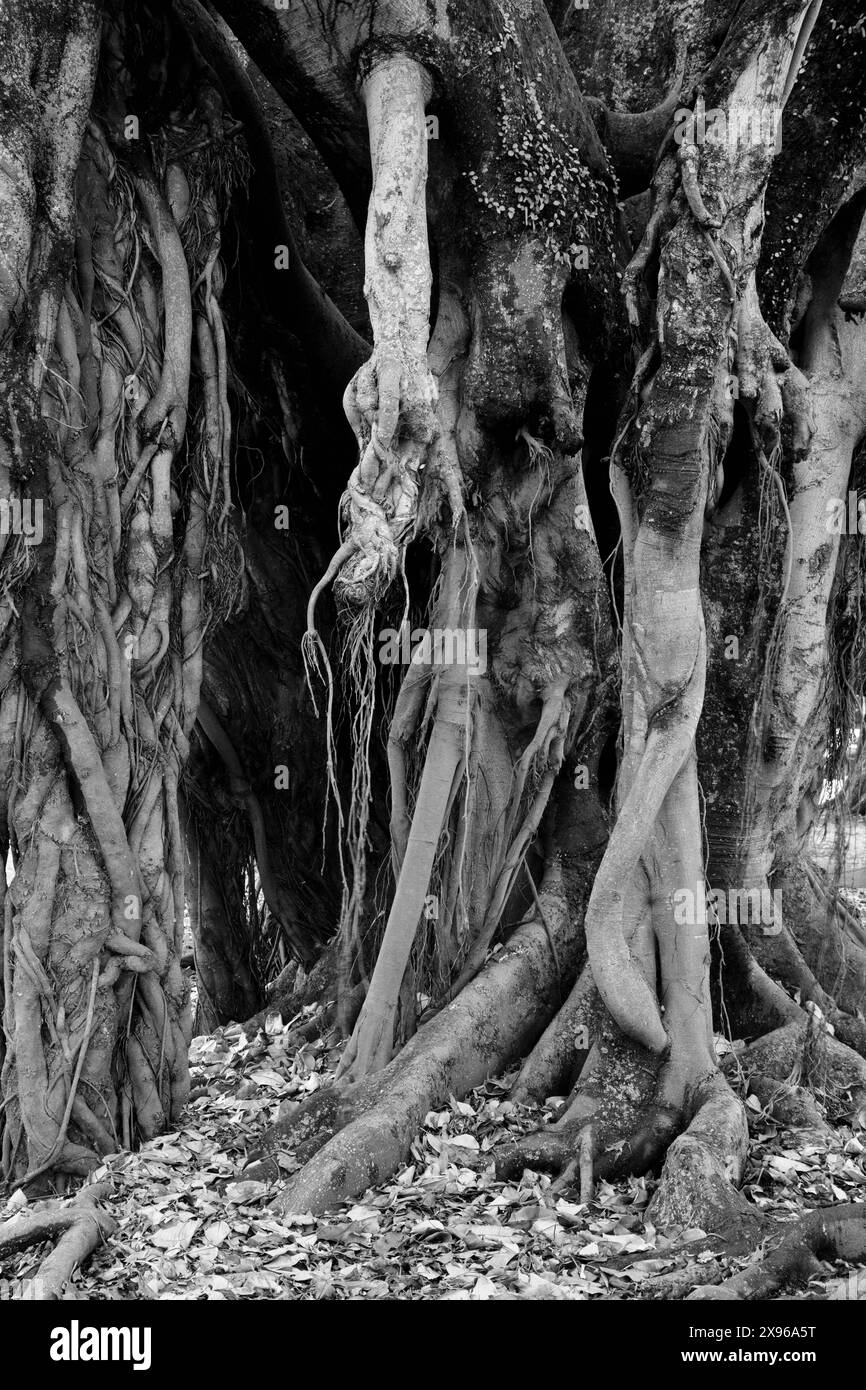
(372, 1041)
(95, 1002)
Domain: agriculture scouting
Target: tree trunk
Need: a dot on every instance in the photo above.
(610, 407)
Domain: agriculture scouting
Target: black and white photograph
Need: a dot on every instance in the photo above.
(432, 672)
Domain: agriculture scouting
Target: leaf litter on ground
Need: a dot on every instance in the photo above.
(190, 1226)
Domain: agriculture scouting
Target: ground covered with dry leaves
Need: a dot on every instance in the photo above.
(190, 1227)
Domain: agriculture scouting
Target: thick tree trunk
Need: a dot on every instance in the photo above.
(690, 294)
(600, 428)
(120, 270)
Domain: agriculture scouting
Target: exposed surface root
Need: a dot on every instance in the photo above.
(704, 1165)
(495, 1019)
(837, 1233)
(81, 1227)
(626, 1117)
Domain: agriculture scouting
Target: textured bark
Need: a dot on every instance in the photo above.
(612, 390)
(678, 427)
(105, 638)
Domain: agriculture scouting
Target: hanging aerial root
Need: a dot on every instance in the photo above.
(372, 1041)
(390, 405)
(317, 664)
(359, 671)
(346, 550)
(373, 1038)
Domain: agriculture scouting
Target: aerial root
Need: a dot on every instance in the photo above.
(346, 550)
